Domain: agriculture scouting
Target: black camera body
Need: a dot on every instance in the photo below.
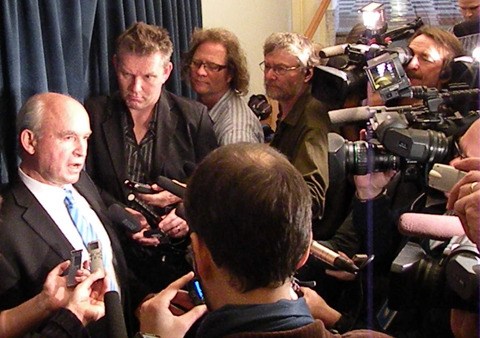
(406, 138)
(419, 280)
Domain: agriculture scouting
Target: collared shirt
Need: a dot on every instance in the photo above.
(234, 121)
(139, 155)
(51, 198)
(272, 317)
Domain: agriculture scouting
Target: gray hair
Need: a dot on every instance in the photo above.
(297, 45)
(31, 114)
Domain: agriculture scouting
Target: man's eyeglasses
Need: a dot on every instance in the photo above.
(278, 70)
(209, 66)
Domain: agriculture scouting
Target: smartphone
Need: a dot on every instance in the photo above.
(443, 177)
(195, 291)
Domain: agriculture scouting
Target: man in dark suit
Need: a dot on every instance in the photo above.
(142, 132)
(37, 231)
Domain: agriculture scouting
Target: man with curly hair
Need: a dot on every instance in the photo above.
(216, 68)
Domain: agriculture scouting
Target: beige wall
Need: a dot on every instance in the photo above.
(254, 20)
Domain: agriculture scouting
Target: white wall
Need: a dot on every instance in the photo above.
(252, 21)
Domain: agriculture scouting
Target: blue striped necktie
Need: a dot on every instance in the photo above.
(84, 228)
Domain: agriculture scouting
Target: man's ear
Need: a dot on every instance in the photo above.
(202, 257)
(306, 254)
(28, 141)
(167, 70)
(308, 74)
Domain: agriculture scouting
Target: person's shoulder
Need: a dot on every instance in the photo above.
(184, 103)
(97, 105)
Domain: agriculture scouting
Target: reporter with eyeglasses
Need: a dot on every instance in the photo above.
(303, 122)
(216, 69)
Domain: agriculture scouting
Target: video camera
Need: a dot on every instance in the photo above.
(398, 138)
(344, 74)
(451, 280)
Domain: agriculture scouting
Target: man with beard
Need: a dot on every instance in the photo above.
(303, 123)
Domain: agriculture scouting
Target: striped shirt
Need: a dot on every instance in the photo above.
(234, 121)
(138, 155)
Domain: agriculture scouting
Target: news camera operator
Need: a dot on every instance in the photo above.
(381, 197)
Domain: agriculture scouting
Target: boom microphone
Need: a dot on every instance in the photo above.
(438, 227)
(332, 51)
(171, 186)
(114, 315)
(349, 115)
(119, 215)
(332, 258)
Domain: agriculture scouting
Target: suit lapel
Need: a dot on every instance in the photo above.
(166, 125)
(39, 220)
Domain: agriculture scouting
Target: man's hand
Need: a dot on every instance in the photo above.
(464, 198)
(160, 199)
(319, 308)
(371, 185)
(55, 293)
(464, 324)
(157, 316)
(173, 225)
(87, 298)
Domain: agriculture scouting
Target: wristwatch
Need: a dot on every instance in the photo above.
(146, 335)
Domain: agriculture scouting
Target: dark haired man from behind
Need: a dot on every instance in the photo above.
(248, 239)
(141, 132)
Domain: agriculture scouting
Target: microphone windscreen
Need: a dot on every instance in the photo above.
(114, 315)
(467, 27)
(119, 215)
(348, 115)
(171, 186)
(332, 51)
(438, 227)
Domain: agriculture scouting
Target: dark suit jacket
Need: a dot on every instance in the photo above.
(184, 135)
(31, 245)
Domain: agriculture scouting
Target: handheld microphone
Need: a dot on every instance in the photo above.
(114, 315)
(438, 227)
(171, 186)
(332, 258)
(119, 215)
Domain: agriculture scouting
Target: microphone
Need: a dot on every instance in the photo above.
(114, 315)
(119, 215)
(332, 258)
(438, 227)
(349, 115)
(467, 27)
(332, 51)
(171, 186)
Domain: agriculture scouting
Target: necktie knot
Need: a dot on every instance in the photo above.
(69, 200)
